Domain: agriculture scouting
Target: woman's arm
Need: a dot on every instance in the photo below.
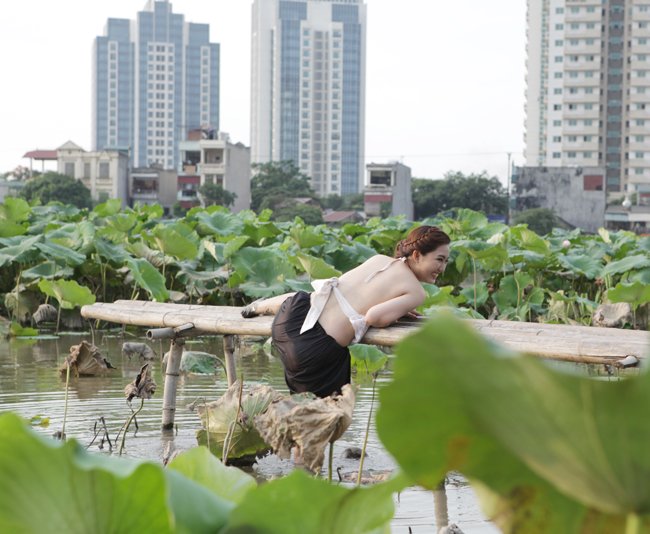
(386, 313)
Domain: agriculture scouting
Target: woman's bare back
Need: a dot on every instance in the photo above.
(397, 284)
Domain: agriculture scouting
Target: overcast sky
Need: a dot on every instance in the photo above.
(444, 79)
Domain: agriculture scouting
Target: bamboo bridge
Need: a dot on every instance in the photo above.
(579, 344)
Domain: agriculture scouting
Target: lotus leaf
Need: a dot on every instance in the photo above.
(46, 486)
(558, 452)
(85, 359)
(177, 240)
(635, 294)
(265, 271)
(299, 503)
(148, 278)
(316, 268)
(638, 261)
(68, 293)
(308, 422)
(219, 418)
(581, 265)
(199, 465)
(367, 359)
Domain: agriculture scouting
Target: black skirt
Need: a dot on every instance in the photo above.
(313, 361)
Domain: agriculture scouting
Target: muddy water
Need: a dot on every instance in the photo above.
(30, 385)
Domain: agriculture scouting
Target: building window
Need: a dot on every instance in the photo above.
(557, 155)
(104, 170)
(69, 170)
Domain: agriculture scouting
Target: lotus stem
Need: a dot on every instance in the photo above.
(365, 439)
(128, 424)
(330, 462)
(65, 402)
(227, 440)
(474, 268)
(632, 524)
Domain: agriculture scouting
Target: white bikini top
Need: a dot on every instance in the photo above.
(321, 294)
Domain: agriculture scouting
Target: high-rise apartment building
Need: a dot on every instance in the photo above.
(588, 88)
(154, 79)
(308, 89)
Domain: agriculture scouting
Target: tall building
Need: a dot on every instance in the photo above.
(588, 88)
(308, 89)
(154, 79)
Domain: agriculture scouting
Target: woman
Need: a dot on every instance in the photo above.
(312, 331)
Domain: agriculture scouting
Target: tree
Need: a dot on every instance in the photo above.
(277, 180)
(53, 186)
(539, 220)
(310, 214)
(215, 194)
(478, 192)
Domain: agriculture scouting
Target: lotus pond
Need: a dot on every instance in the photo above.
(31, 386)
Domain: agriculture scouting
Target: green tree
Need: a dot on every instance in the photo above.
(216, 194)
(276, 181)
(539, 220)
(53, 186)
(478, 192)
(310, 214)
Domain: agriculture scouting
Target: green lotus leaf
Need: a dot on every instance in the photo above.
(16, 330)
(47, 269)
(519, 427)
(476, 295)
(511, 290)
(49, 487)
(287, 506)
(177, 240)
(529, 240)
(367, 358)
(68, 293)
(581, 264)
(233, 245)
(199, 465)
(148, 278)
(440, 296)
(122, 222)
(642, 276)
(635, 294)
(346, 257)
(113, 253)
(306, 236)
(265, 271)
(218, 222)
(60, 253)
(316, 268)
(13, 214)
(638, 261)
(111, 207)
(78, 236)
(19, 249)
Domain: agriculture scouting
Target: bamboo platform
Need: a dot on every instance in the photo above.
(582, 344)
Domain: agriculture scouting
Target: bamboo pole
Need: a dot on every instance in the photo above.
(171, 381)
(580, 344)
(229, 354)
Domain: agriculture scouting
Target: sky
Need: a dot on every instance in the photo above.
(445, 80)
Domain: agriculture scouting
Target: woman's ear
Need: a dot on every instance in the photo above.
(416, 255)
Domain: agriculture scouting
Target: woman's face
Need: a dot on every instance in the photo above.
(427, 267)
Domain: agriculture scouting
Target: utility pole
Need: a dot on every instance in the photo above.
(508, 189)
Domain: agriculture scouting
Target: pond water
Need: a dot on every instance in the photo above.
(31, 385)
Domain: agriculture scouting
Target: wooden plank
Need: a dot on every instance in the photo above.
(560, 342)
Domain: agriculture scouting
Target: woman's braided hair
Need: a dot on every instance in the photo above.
(424, 239)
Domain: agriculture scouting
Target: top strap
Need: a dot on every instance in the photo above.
(385, 267)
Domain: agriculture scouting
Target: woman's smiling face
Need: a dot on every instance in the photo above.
(427, 267)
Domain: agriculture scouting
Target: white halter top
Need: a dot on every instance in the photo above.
(321, 294)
